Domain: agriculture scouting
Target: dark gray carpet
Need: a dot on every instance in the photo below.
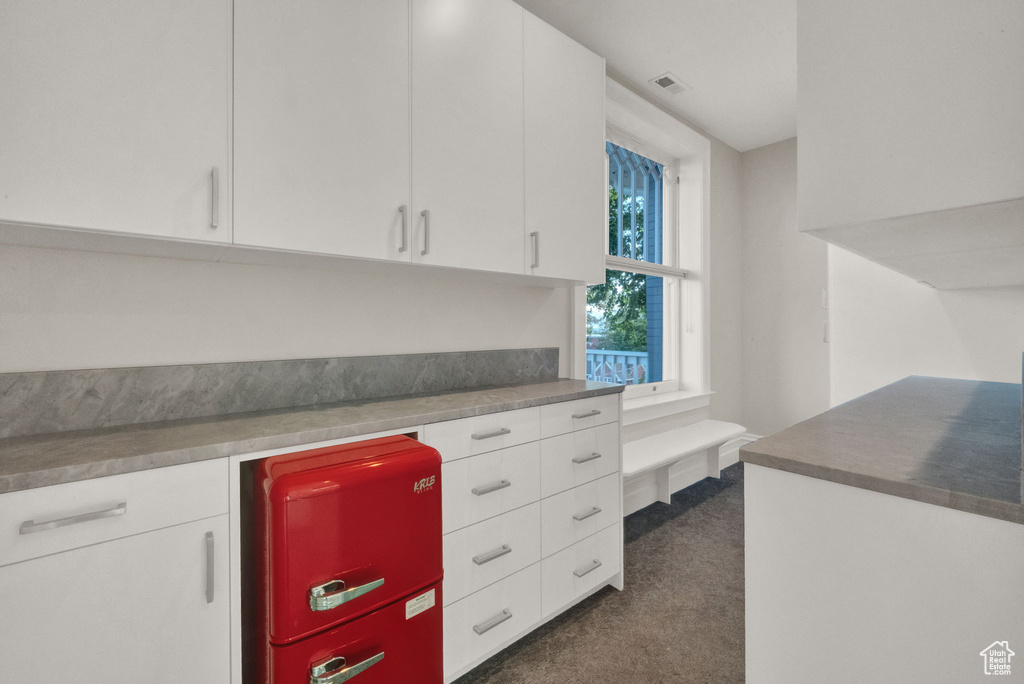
(679, 619)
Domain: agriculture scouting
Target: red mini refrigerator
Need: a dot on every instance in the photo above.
(348, 563)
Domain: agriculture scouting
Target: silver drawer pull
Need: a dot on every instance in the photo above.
(30, 526)
(593, 511)
(404, 211)
(488, 435)
(491, 555)
(488, 625)
(214, 197)
(210, 574)
(333, 670)
(584, 459)
(426, 232)
(487, 489)
(594, 565)
(588, 414)
(332, 594)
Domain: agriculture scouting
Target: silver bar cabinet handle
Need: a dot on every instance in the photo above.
(214, 197)
(593, 511)
(487, 489)
(330, 595)
(426, 232)
(588, 414)
(491, 555)
(594, 565)
(488, 625)
(584, 459)
(493, 433)
(30, 526)
(333, 670)
(404, 211)
(536, 249)
(209, 567)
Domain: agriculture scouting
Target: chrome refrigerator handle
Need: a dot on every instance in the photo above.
(330, 595)
(333, 670)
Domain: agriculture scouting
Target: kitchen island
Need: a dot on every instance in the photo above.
(885, 538)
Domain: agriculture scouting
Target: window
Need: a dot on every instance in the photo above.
(648, 324)
(632, 337)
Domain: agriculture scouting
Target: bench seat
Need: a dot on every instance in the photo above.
(662, 451)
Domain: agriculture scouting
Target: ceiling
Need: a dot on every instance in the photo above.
(737, 56)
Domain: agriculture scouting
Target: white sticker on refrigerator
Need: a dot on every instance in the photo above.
(419, 604)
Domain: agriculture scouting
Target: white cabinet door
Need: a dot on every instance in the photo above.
(321, 126)
(467, 96)
(131, 610)
(115, 115)
(566, 197)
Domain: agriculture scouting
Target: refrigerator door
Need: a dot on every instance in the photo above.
(342, 531)
(398, 644)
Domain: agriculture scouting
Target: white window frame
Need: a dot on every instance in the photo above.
(637, 125)
(669, 271)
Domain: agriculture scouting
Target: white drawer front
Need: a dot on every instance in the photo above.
(477, 435)
(105, 508)
(583, 566)
(490, 484)
(567, 416)
(570, 516)
(488, 611)
(477, 556)
(577, 457)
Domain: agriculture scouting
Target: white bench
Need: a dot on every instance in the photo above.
(660, 452)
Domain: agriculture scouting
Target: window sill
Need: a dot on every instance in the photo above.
(639, 409)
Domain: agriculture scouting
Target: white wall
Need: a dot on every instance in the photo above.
(726, 285)
(785, 358)
(886, 326)
(65, 309)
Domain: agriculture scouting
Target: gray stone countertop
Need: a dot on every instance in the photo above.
(42, 460)
(952, 443)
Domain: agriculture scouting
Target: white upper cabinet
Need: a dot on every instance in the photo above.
(565, 160)
(467, 128)
(115, 115)
(321, 126)
(912, 135)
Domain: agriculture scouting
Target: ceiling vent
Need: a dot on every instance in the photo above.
(669, 83)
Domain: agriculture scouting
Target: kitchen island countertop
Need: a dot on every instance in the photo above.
(952, 443)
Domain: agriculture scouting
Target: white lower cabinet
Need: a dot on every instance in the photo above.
(150, 607)
(526, 517)
(489, 485)
(580, 512)
(480, 555)
(578, 457)
(483, 622)
(582, 567)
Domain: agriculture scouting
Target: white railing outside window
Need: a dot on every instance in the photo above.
(619, 367)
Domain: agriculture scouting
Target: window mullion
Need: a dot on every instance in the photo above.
(659, 211)
(632, 212)
(618, 189)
